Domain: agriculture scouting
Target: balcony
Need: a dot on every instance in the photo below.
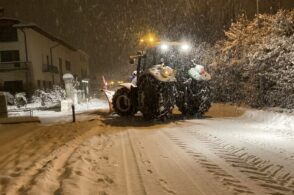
(13, 66)
(50, 68)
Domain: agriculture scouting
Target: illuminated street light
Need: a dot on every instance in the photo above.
(148, 39)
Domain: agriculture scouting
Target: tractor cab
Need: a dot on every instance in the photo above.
(175, 55)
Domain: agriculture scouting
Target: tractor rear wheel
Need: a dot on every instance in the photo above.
(198, 99)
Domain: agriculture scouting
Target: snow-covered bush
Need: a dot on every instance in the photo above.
(49, 97)
(20, 100)
(9, 98)
(255, 63)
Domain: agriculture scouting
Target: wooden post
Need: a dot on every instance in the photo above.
(73, 113)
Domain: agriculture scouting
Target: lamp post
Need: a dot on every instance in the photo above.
(257, 11)
(257, 7)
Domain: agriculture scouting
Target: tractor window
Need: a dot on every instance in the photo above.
(153, 57)
(172, 58)
(143, 63)
(150, 57)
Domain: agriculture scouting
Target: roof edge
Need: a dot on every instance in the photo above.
(45, 33)
(20, 24)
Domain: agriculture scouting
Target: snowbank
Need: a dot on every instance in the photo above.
(270, 119)
(51, 116)
(93, 104)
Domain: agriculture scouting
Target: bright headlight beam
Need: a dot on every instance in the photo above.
(185, 47)
(164, 47)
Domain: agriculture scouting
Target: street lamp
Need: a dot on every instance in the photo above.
(257, 7)
(257, 11)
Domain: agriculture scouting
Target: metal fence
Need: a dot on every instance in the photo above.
(13, 113)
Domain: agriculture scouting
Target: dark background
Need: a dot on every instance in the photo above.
(109, 30)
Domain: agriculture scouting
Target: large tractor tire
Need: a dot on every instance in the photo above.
(205, 98)
(122, 103)
(156, 98)
(198, 100)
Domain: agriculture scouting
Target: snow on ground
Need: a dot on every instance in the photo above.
(233, 151)
(52, 116)
(270, 119)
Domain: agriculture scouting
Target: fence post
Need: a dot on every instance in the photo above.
(73, 113)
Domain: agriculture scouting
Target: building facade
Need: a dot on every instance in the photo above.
(31, 58)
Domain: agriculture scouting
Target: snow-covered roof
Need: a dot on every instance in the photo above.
(21, 24)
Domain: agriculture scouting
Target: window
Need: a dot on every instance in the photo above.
(60, 66)
(9, 56)
(67, 65)
(47, 60)
(83, 73)
(39, 84)
(8, 34)
(13, 86)
(44, 85)
(50, 85)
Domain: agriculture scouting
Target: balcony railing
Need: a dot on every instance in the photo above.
(12, 66)
(49, 68)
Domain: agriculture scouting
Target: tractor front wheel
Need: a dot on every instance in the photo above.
(122, 103)
(156, 98)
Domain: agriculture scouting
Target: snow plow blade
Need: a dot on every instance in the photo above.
(108, 93)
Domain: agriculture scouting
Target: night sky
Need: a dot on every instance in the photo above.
(109, 30)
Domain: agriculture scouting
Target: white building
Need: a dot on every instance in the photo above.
(32, 58)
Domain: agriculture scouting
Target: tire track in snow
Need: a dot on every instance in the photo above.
(274, 178)
(228, 180)
(152, 171)
(86, 163)
(128, 155)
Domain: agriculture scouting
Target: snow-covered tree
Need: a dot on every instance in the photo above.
(255, 63)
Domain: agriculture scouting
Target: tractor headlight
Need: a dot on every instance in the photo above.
(166, 72)
(185, 47)
(164, 47)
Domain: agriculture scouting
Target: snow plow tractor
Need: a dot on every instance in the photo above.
(150, 91)
(165, 77)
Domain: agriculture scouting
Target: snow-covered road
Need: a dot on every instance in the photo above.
(111, 155)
